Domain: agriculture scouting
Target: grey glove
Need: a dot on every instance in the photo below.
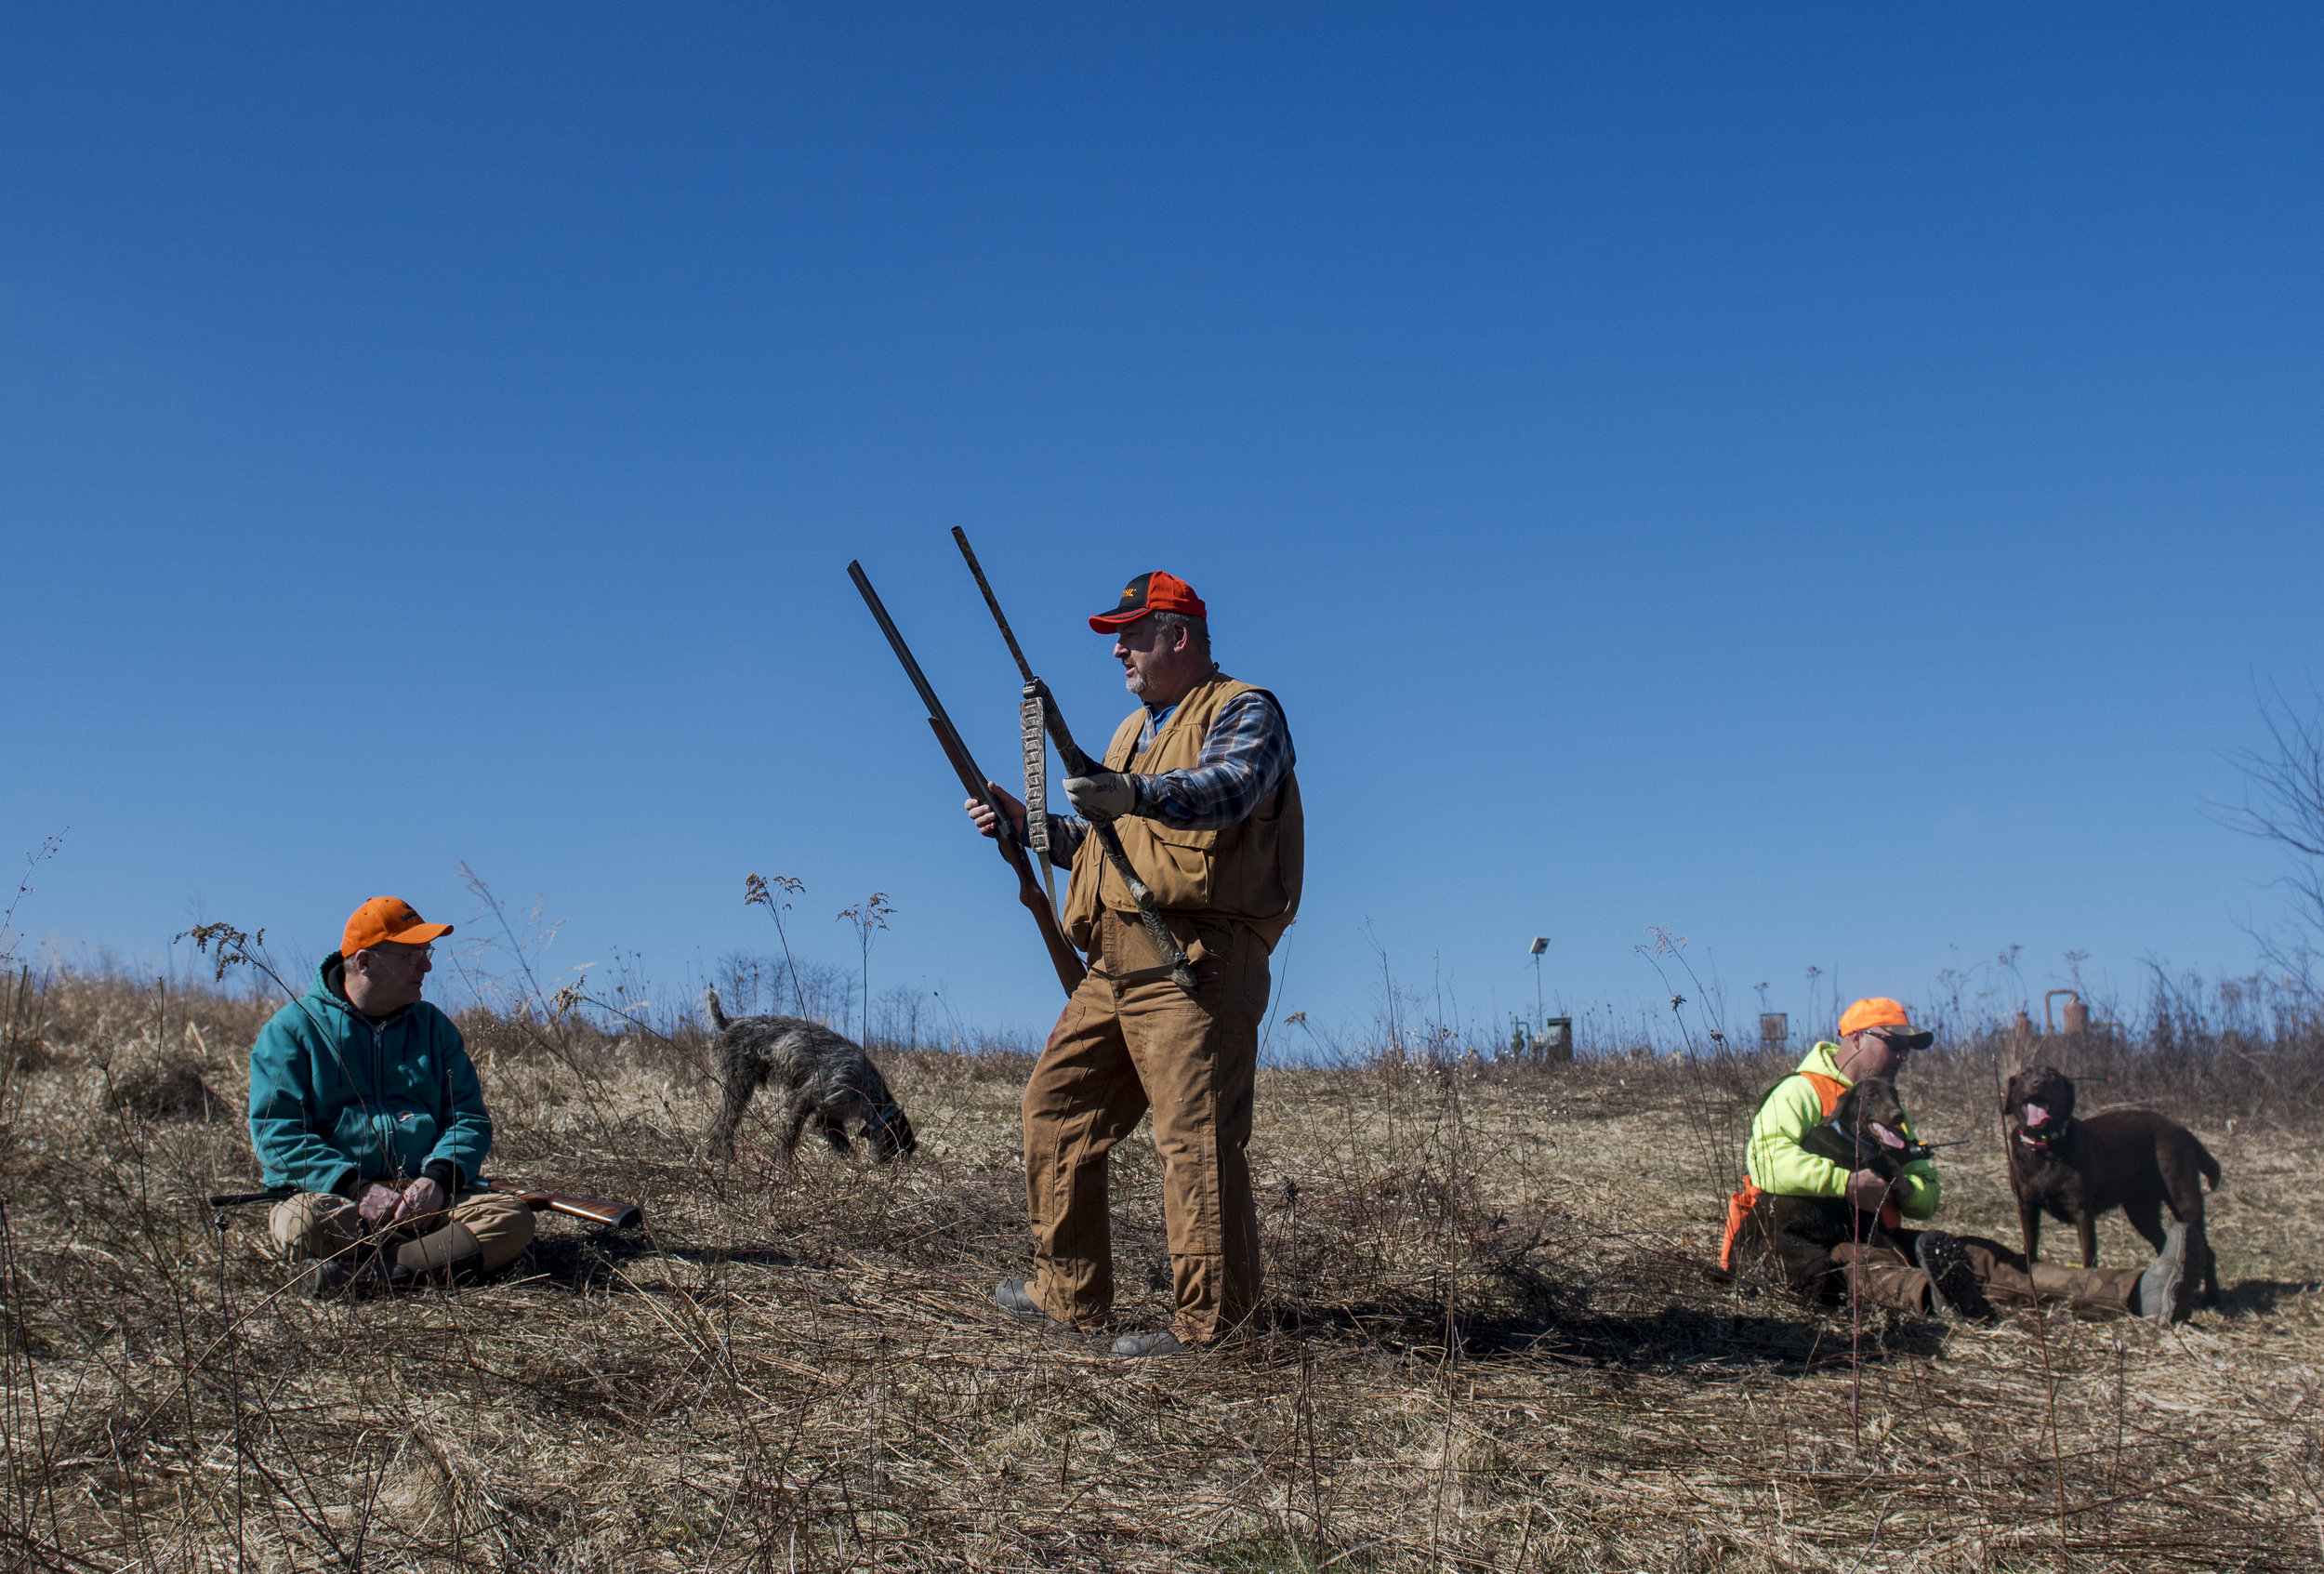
(376, 1204)
(1108, 795)
(421, 1201)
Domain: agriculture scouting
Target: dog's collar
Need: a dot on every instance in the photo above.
(2050, 1138)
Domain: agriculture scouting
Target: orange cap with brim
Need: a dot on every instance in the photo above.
(1888, 1018)
(1151, 591)
(386, 920)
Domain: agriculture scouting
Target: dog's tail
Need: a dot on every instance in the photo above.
(718, 1017)
(2204, 1161)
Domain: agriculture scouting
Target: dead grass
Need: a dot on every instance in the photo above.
(1490, 1345)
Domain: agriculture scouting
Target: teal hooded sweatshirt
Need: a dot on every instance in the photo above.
(335, 1098)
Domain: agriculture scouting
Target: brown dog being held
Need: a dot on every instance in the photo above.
(1864, 1132)
(2075, 1170)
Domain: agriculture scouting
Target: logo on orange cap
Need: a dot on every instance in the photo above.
(1152, 591)
(388, 919)
(1886, 1017)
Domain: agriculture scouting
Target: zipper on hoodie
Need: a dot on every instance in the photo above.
(385, 1118)
(378, 1086)
(381, 1123)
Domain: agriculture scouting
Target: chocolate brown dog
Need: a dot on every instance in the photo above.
(1864, 1132)
(2075, 1170)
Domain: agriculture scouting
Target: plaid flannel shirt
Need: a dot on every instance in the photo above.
(1245, 757)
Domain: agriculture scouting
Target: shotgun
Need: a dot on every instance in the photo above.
(1078, 763)
(602, 1210)
(596, 1210)
(1062, 956)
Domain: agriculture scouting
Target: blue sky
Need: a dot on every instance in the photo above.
(1824, 481)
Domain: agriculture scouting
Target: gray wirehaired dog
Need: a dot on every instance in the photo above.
(821, 1076)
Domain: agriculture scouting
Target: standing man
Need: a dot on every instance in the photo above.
(1198, 782)
(363, 1096)
(1924, 1270)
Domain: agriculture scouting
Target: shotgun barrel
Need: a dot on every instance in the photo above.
(1078, 763)
(1062, 956)
(244, 1199)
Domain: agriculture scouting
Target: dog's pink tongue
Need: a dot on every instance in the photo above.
(2036, 1115)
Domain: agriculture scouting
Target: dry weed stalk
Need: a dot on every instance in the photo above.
(49, 847)
(763, 893)
(868, 917)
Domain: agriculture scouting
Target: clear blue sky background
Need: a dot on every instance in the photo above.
(1823, 480)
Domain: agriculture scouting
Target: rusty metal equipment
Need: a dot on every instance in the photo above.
(1774, 1029)
(1556, 1044)
(2076, 1013)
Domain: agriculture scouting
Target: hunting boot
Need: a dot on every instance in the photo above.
(1014, 1297)
(1163, 1342)
(445, 1257)
(1953, 1287)
(2162, 1288)
(354, 1277)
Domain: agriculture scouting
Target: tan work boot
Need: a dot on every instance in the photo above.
(449, 1256)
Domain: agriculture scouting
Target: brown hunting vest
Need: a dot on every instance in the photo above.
(1248, 872)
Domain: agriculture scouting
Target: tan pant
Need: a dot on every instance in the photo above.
(1130, 1041)
(496, 1229)
(1892, 1280)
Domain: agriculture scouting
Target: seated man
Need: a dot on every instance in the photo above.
(363, 1096)
(1820, 1221)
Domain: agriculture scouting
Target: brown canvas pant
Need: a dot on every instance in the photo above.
(313, 1225)
(1130, 1041)
(1892, 1280)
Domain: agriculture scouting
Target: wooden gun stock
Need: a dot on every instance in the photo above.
(596, 1210)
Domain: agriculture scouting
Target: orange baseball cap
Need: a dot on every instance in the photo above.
(1153, 591)
(388, 919)
(1888, 1018)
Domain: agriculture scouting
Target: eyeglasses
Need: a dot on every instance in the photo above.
(403, 953)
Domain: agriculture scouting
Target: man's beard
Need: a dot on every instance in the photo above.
(1135, 682)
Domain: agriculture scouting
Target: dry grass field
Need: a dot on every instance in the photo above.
(1490, 1343)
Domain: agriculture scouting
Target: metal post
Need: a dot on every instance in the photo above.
(1540, 944)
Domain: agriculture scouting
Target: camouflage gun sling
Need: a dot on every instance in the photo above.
(1031, 721)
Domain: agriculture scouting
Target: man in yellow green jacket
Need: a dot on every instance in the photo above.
(1830, 1228)
(1780, 1165)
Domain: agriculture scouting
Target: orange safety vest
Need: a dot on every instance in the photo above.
(1830, 1091)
